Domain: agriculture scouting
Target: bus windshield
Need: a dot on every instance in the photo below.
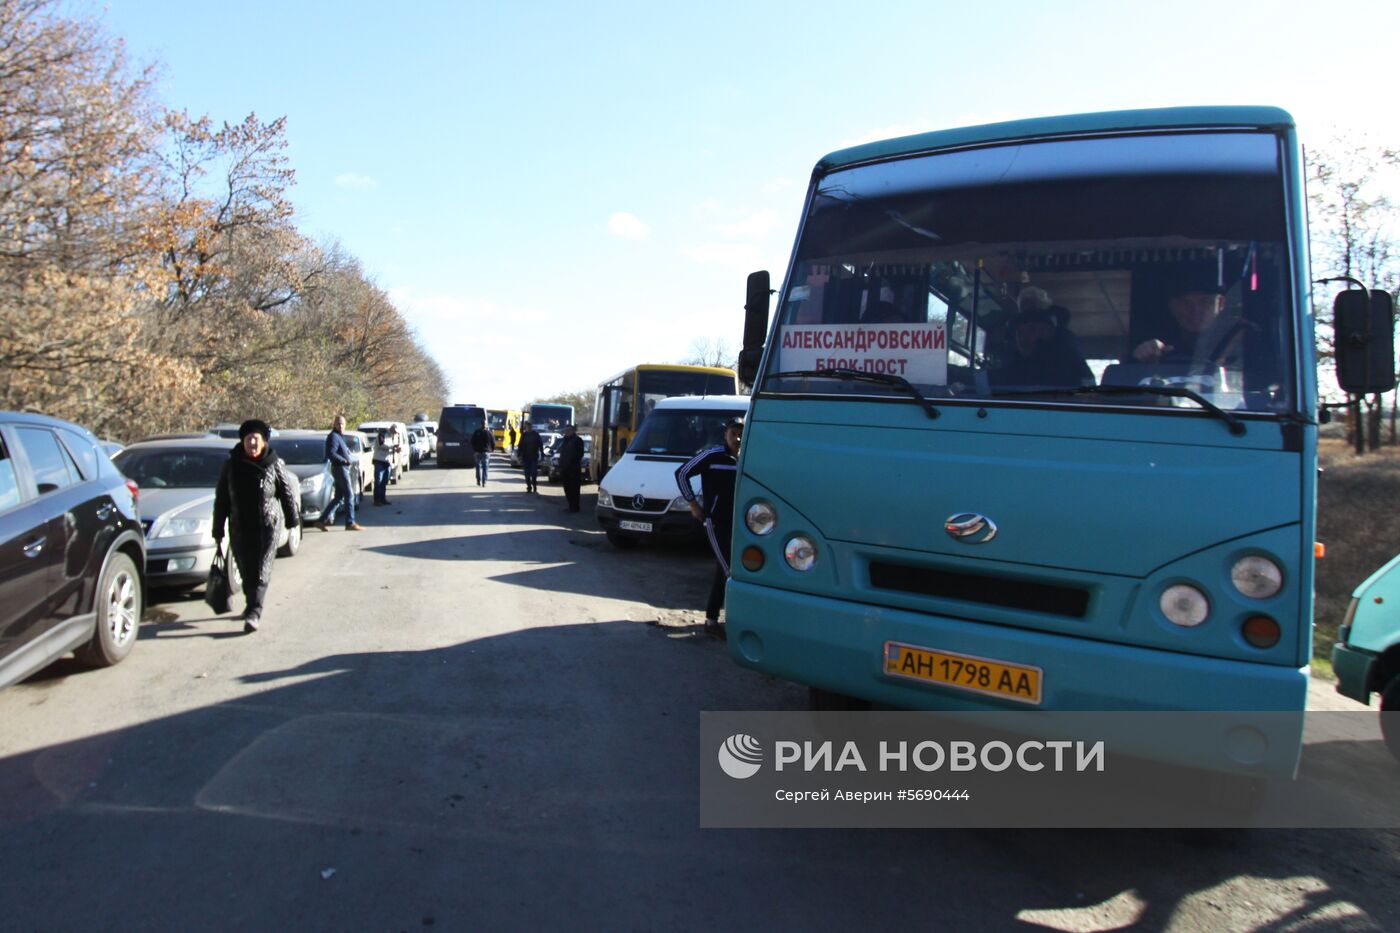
(551, 417)
(496, 420)
(1111, 271)
(657, 384)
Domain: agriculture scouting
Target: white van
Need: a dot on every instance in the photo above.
(638, 498)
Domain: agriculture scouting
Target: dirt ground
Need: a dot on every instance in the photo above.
(1354, 496)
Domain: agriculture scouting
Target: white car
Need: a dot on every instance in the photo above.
(419, 435)
(638, 499)
(547, 440)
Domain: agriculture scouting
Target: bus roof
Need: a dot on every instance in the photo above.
(1068, 125)
(674, 367)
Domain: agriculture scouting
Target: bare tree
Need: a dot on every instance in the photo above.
(712, 351)
(1352, 230)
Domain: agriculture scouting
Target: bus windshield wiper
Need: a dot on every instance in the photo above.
(857, 375)
(1235, 425)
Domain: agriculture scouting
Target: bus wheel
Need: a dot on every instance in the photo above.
(828, 701)
(1390, 715)
(620, 540)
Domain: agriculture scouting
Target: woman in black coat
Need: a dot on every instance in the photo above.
(256, 495)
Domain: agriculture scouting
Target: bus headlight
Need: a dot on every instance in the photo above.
(801, 553)
(604, 498)
(761, 518)
(1257, 577)
(1185, 605)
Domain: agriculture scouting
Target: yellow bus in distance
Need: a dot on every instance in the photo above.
(625, 400)
(502, 422)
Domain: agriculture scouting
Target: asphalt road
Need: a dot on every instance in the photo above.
(477, 715)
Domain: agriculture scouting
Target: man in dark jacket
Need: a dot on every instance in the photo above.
(338, 453)
(570, 452)
(530, 449)
(257, 495)
(483, 442)
(718, 469)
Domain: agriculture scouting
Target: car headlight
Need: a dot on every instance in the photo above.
(761, 518)
(800, 552)
(1185, 605)
(180, 527)
(1257, 577)
(604, 498)
(679, 504)
(313, 483)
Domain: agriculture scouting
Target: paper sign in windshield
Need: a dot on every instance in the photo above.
(917, 352)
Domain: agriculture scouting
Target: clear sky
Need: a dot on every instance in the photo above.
(552, 192)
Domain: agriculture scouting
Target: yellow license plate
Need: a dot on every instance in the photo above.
(964, 672)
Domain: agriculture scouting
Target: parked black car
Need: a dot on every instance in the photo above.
(72, 556)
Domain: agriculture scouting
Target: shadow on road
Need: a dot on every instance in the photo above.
(551, 775)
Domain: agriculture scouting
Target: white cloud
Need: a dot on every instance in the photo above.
(743, 256)
(759, 224)
(358, 182)
(628, 226)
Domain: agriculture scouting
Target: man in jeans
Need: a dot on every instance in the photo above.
(530, 448)
(483, 442)
(385, 450)
(338, 453)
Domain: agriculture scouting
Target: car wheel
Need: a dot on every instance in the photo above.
(119, 608)
(1390, 716)
(293, 543)
(620, 540)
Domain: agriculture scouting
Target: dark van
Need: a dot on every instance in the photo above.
(456, 425)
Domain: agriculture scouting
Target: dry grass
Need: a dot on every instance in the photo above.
(1354, 498)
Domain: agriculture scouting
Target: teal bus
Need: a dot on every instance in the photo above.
(1034, 426)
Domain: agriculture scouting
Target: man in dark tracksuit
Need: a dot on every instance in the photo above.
(718, 468)
(570, 452)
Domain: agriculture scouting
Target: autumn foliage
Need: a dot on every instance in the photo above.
(152, 277)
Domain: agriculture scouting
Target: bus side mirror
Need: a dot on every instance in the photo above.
(1364, 326)
(755, 326)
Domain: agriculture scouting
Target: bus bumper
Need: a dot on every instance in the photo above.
(840, 646)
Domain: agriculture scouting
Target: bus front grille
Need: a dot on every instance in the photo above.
(1007, 592)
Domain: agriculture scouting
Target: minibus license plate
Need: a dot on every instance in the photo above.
(965, 672)
(634, 526)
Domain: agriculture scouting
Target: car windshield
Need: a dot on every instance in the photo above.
(1078, 269)
(172, 468)
(681, 432)
(300, 451)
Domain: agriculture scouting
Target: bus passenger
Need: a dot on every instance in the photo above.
(1042, 353)
(717, 468)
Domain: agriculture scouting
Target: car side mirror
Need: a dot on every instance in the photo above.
(755, 326)
(1364, 327)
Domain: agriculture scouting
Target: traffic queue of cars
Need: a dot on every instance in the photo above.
(88, 528)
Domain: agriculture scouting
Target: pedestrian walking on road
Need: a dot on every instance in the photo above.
(386, 449)
(483, 442)
(570, 450)
(257, 496)
(530, 449)
(338, 453)
(718, 468)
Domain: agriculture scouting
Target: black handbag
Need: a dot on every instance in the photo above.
(217, 589)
